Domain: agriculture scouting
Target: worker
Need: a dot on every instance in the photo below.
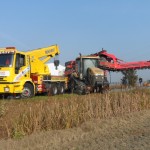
(7, 62)
(140, 81)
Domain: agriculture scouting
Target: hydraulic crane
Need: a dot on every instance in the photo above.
(25, 74)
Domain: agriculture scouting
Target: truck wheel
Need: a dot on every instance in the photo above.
(54, 89)
(61, 89)
(28, 91)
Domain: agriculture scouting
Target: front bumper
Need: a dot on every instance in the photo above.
(10, 88)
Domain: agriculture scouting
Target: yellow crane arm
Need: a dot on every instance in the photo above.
(44, 54)
(38, 58)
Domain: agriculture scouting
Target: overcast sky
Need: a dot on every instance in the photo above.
(81, 26)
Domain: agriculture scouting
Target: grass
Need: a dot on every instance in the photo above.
(24, 117)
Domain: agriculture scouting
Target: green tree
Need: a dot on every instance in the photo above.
(130, 76)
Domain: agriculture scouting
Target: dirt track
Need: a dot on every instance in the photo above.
(121, 133)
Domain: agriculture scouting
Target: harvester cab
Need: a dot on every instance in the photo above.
(89, 71)
(86, 76)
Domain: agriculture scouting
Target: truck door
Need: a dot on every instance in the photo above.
(22, 67)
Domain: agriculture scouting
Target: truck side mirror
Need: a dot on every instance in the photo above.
(56, 63)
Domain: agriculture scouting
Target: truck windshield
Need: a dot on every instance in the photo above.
(6, 60)
(89, 63)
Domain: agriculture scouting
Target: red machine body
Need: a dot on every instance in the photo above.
(70, 67)
(112, 63)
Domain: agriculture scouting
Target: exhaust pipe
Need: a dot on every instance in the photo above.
(81, 69)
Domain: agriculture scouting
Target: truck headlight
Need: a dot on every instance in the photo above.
(6, 89)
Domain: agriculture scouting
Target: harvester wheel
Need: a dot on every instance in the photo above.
(104, 90)
(28, 91)
(72, 86)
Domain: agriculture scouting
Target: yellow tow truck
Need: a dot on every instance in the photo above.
(25, 74)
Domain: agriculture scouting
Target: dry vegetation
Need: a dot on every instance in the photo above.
(24, 117)
(127, 132)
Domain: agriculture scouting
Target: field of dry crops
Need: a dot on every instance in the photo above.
(129, 132)
(88, 115)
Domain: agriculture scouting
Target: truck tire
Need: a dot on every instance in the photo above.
(61, 89)
(28, 91)
(54, 89)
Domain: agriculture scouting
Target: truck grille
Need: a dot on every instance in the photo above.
(2, 79)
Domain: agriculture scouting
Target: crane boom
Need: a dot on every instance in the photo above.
(44, 54)
(38, 58)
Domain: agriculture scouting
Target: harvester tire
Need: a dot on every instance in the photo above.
(72, 86)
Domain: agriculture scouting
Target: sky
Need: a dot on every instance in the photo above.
(81, 26)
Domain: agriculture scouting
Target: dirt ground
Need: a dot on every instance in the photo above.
(131, 132)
